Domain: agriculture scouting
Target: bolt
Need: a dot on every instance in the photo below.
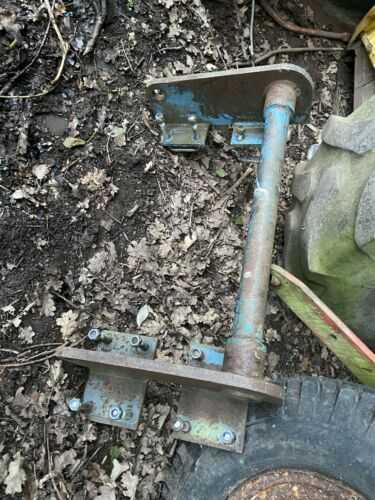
(195, 131)
(137, 342)
(181, 425)
(196, 354)
(94, 335)
(192, 119)
(115, 412)
(74, 404)
(275, 282)
(159, 117)
(227, 437)
(158, 94)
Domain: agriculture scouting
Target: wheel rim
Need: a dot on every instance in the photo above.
(288, 484)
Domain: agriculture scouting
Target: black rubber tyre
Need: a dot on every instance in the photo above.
(325, 426)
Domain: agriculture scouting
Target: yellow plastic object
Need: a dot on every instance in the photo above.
(366, 29)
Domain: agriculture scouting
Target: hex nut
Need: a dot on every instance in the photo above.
(94, 335)
(196, 354)
(192, 119)
(159, 117)
(115, 412)
(74, 404)
(181, 425)
(227, 438)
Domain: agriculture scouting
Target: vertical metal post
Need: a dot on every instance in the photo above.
(245, 351)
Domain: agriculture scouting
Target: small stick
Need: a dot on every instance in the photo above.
(9, 84)
(289, 50)
(238, 182)
(101, 15)
(57, 294)
(345, 37)
(64, 52)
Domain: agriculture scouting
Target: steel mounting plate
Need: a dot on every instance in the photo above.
(237, 386)
(226, 97)
(106, 389)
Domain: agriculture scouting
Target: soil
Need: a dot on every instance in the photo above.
(92, 233)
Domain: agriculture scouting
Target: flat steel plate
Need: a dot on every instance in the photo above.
(324, 323)
(237, 386)
(210, 416)
(225, 97)
(107, 389)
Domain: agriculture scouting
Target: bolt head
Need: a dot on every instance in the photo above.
(136, 341)
(94, 335)
(228, 437)
(158, 94)
(74, 404)
(192, 119)
(115, 412)
(159, 117)
(181, 425)
(196, 354)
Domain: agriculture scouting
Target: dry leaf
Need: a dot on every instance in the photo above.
(26, 334)
(118, 468)
(48, 305)
(106, 493)
(143, 314)
(16, 476)
(68, 323)
(40, 171)
(64, 460)
(73, 142)
(130, 483)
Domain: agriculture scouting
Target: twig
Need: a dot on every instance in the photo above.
(49, 460)
(345, 37)
(252, 29)
(70, 303)
(289, 50)
(64, 46)
(9, 84)
(238, 182)
(127, 57)
(50, 354)
(100, 18)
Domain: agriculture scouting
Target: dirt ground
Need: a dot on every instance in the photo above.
(97, 220)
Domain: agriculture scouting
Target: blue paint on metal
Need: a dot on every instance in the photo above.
(252, 134)
(250, 310)
(184, 101)
(212, 355)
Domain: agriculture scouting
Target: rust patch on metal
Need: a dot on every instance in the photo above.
(245, 358)
(145, 369)
(288, 484)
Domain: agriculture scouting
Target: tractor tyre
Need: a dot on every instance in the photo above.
(319, 444)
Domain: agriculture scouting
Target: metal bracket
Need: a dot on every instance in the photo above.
(110, 397)
(184, 138)
(185, 106)
(247, 134)
(206, 417)
(213, 404)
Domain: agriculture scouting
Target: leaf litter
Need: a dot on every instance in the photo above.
(115, 232)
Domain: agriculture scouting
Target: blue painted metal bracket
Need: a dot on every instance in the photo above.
(247, 134)
(183, 105)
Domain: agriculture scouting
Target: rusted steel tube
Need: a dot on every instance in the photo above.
(245, 350)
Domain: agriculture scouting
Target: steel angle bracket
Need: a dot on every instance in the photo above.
(186, 106)
(110, 397)
(324, 323)
(213, 404)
